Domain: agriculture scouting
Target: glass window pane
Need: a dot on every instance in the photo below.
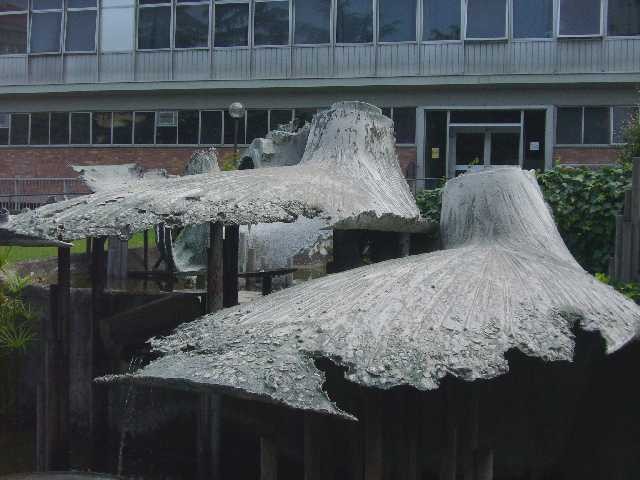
(153, 2)
(117, 3)
(167, 135)
(397, 20)
(59, 128)
(13, 34)
(211, 128)
(80, 128)
(312, 21)
(81, 31)
(20, 129)
(4, 136)
(81, 3)
(304, 115)
(257, 124)
(485, 116)
(624, 17)
(13, 5)
(229, 129)
(45, 32)
(232, 25)
(192, 26)
(122, 128)
(597, 126)
(154, 27)
(404, 120)
(486, 18)
(441, 20)
(579, 17)
(279, 117)
(117, 29)
(101, 131)
(355, 21)
(622, 118)
(532, 18)
(271, 23)
(569, 126)
(46, 4)
(39, 129)
(188, 127)
(144, 127)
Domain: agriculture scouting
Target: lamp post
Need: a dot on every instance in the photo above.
(236, 111)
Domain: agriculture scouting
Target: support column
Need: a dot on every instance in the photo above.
(215, 269)
(268, 459)
(208, 431)
(230, 265)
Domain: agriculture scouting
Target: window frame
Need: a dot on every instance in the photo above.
(165, 4)
(252, 30)
(555, 14)
(26, 12)
(60, 10)
(374, 27)
(463, 16)
(507, 27)
(174, 23)
(332, 28)
(417, 32)
(65, 20)
(605, 28)
(212, 27)
(582, 109)
(602, 25)
(415, 134)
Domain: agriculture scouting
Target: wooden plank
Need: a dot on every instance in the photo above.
(627, 246)
(208, 436)
(373, 441)
(230, 265)
(215, 269)
(449, 465)
(62, 460)
(317, 456)
(268, 459)
(404, 244)
(145, 252)
(484, 465)
(635, 192)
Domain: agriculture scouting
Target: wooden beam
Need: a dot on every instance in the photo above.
(215, 269)
(373, 436)
(317, 456)
(230, 265)
(208, 436)
(145, 250)
(449, 465)
(268, 459)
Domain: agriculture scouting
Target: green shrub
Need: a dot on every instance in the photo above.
(630, 290)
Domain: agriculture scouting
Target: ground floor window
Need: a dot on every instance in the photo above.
(593, 125)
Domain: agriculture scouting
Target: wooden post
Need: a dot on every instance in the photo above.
(215, 269)
(404, 244)
(208, 431)
(99, 431)
(317, 457)
(373, 439)
(230, 267)
(268, 459)
(484, 465)
(267, 284)
(145, 251)
(449, 467)
(346, 250)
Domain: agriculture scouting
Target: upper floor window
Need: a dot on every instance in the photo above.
(580, 18)
(354, 21)
(271, 22)
(532, 18)
(13, 26)
(397, 20)
(312, 21)
(117, 19)
(486, 19)
(192, 24)
(81, 26)
(441, 20)
(231, 24)
(154, 24)
(624, 18)
(46, 26)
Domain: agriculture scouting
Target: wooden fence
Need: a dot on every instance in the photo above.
(625, 265)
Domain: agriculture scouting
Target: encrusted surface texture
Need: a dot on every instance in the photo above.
(504, 281)
(349, 170)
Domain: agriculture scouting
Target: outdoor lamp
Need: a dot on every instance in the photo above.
(236, 111)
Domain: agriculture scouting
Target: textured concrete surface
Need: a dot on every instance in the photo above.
(504, 281)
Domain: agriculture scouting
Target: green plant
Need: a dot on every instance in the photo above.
(430, 203)
(230, 161)
(630, 290)
(631, 148)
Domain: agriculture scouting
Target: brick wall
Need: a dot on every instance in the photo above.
(407, 157)
(585, 156)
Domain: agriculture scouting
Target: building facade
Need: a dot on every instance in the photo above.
(524, 82)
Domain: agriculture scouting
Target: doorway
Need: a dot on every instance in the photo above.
(483, 146)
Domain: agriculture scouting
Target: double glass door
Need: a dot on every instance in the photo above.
(483, 146)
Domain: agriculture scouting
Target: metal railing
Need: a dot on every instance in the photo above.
(19, 193)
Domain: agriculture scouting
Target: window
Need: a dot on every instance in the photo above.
(167, 127)
(144, 127)
(271, 23)
(5, 122)
(404, 121)
(622, 118)
(231, 25)
(257, 124)
(486, 19)
(441, 20)
(569, 126)
(39, 131)
(279, 117)
(13, 26)
(211, 127)
(532, 18)
(46, 24)
(117, 19)
(20, 129)
(154, 25)
(354, 21)
(229, 129)
(80, 128)
(596, 126)
(624, 18)
(192, 25)
(59, 128)
(397, 20)
(101, 129)
(122, 128)
(188, 127)
(312, 21)
(580, 17)
(81, 26)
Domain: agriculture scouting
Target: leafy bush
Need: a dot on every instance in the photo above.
(631, 290)
(631, 148)
(430, 203)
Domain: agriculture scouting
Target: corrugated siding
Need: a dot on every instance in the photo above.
(312, 62)
(191, 65)
(45, 69)
(153, 66)
(580, 56)
(13, 70)
(398, 59)
(272, 62)
(533, 57)
(622, 55)
(231, 63)
(80, 68)
(117, 67)
(354, 60)
(442, 59)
